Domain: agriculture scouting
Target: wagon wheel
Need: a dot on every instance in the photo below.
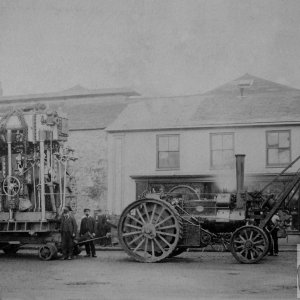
(11, 186)
(47, 252)
(149, 230)
(11, 249)
(249, 244)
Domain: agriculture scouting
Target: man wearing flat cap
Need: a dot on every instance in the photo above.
(88, 229)
(68, 229)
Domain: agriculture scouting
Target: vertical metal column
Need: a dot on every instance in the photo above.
(240, 166)
(9, 167)
(42, 173)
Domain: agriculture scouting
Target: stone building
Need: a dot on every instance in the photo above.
(89, 113)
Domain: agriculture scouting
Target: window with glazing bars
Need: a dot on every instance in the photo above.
(221, 150)
(278, 147)
(167, 151)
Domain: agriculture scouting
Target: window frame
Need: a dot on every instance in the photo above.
(268, 165)
(157, 152)
(223, 166)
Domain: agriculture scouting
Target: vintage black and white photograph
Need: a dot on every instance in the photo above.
(149, 149)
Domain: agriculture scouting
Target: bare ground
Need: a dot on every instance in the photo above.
(113, 275)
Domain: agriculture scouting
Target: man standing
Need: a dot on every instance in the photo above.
(275, 221)
(68, 229)
(88, 228)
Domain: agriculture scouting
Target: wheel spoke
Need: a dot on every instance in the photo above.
(246, 234)
(239, 242)
(135, 239)
(164, 220)
(145, 249)
(160, 214)
(159, 245)
(164, 240)
(260, 247)
(241, 253)
(132, 226)
(140, 215)
(134, 219)
(261, 241)
(146, 211)
(251, 234)
(167, 227)
(139, 245)
(255, 251)
(242, 238)
(130, 233)
(166, 233)
(153, 213)
(239, 247)
(152, 247)
(257, 236)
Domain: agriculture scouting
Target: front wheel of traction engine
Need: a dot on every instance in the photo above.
(249, 244)
(149, 230)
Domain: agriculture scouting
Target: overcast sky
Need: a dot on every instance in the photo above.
(156, 47)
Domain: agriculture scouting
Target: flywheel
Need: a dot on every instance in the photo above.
(149, 230)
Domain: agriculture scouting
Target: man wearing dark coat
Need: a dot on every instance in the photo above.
(88, 229)
(68, 229)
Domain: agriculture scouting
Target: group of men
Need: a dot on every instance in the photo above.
(68, 229)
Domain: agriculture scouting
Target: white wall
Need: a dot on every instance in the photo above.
(134, 153)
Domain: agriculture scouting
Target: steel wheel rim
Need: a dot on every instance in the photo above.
(149, 230)
(249, 244)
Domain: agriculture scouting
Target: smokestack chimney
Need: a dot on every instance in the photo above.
(240, 166)
(1, 90)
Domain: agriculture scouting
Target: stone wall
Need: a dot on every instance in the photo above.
(90, 170)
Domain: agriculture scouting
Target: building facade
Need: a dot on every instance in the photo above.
(190, 142)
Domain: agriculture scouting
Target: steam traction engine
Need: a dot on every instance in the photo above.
(162, 225)
(35, 179)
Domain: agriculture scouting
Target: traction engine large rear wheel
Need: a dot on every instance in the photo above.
(149, 230)
(249, 244)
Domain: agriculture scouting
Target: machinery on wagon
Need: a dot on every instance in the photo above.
(35, 179)
(161, 225)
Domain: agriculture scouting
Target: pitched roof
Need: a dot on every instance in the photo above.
(94, 115)
(86, 109)
(74, 92)
(262, 102)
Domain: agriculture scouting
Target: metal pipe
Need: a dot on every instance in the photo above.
(42, 174)
(64, 187)
(240, 166)
(9, 166)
